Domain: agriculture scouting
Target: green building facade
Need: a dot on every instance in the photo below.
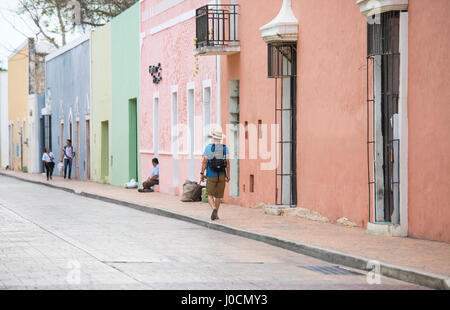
(125, 86)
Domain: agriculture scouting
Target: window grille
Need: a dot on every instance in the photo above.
(383, 84)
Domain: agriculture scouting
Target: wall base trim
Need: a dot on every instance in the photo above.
(385, 229)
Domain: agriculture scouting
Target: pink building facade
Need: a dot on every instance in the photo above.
(340, 107)
(178, 92)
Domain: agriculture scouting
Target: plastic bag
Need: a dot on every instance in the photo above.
(131, 184)
(188, 189)
(60, 167)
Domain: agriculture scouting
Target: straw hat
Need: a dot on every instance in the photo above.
(216, 134)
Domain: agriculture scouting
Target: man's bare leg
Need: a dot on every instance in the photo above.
(217, 205)
(211, 201)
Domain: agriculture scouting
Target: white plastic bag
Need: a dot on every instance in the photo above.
(131, 184)
(60, 167)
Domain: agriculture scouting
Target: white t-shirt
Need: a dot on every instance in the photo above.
(69, 151)
(48, 157)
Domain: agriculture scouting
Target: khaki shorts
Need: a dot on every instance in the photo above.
(215, 186)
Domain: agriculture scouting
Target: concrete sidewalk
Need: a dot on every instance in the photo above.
(421, 262)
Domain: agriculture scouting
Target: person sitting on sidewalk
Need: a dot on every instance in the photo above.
(49, 164)
(217, 167)
(153, 179)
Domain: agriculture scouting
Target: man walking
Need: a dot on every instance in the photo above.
(68, 155)
(217, 167)
(153, 179)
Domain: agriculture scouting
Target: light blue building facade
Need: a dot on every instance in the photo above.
(67, 110)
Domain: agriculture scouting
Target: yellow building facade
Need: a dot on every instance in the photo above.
(18, 79)
(26, 89)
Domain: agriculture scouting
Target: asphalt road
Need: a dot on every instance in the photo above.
(51, 239)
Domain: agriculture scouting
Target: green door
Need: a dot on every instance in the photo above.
(133, 134)
(105, 151)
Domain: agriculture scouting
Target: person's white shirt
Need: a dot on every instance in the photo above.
(69, 151)
(48, 157)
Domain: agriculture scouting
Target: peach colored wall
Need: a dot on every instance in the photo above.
(173, 48)
(429, 119)
(331, 104)
(256, 95)
(332, 162)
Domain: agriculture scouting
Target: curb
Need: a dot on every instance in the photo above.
(392, 271)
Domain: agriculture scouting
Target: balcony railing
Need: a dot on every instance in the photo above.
(217, 26)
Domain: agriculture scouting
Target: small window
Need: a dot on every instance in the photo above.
(175, 129)
(246, 130)
(260, 129)
(206, 114)
(156, 126)
(383, 80)
(282, 60)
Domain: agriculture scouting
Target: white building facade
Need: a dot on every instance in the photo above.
(4, 145)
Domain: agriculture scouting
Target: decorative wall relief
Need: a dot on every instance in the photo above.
(155, 72)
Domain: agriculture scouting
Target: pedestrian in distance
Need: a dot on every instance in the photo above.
(217, 166)
(153, 179)
(49, 163)
(68, 153)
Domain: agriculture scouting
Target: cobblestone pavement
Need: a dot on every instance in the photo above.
(422, 255)
(50, 239)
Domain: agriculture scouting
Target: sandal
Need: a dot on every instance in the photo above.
(214, 214)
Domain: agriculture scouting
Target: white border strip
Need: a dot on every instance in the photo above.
(18, 49)
(152, 152)
(172, 22)
(159, 8)
(207, 83)
(141, 39)
(69, 46)
(403, 107)
(190, 85)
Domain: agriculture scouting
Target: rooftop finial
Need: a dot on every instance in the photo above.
(284, 28)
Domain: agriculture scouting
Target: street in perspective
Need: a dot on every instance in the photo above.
(51, 239)
(228, 146)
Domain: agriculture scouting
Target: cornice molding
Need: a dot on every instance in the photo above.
(372, 7)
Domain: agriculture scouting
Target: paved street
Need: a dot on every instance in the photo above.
(50, 239)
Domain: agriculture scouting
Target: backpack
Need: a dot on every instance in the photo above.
(197, 194)
(218, 164)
